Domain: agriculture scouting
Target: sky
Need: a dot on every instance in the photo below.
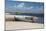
(22, 6)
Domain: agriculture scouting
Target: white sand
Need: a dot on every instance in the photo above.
(12, 25)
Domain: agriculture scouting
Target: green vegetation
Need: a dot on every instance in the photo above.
(18, 12)
(23, 12)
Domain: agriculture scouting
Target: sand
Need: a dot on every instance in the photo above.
(12, 25)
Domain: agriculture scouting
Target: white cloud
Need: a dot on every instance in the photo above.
(14, 6)
(20, 5)
(31, 7)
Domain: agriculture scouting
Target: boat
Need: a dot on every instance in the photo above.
(24, 18)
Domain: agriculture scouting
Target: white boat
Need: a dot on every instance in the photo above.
(24, 18)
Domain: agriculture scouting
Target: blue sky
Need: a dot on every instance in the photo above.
(33, 7)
